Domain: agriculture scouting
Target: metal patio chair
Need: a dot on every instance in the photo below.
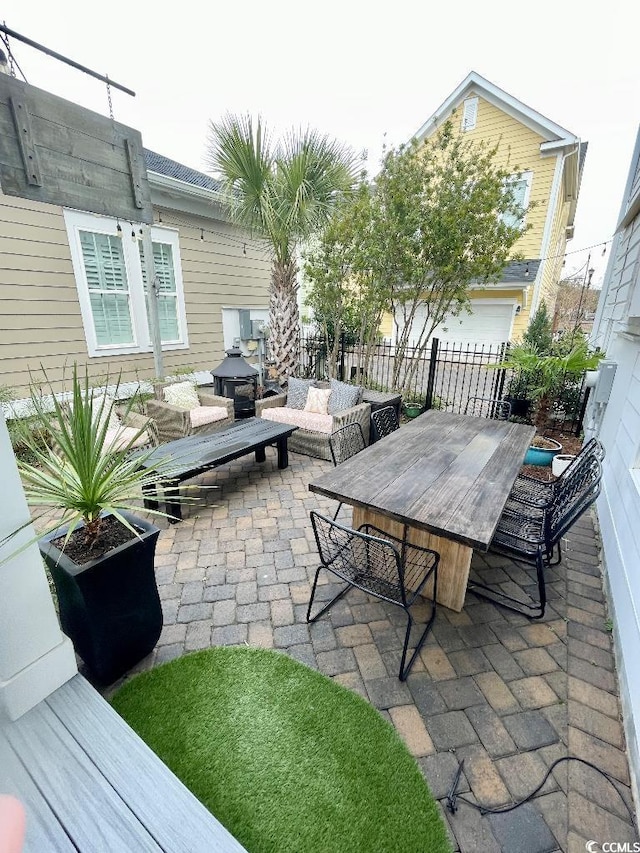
(385, 421)
(345, 443)
(531, 534)
(530, 490)
(379, 564)
(488, 407)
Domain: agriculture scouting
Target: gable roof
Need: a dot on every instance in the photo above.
(172, 169)
(475, 84)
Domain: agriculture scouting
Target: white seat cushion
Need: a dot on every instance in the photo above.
(203, 415)
(118, 439)
(300, 418)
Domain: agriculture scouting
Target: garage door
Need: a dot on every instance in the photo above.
(489, 323)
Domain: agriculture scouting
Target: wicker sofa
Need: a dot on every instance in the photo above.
(306, 439)
(172, 422)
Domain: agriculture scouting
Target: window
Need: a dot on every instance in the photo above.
(112, 285)
(520, 186)
(469, 114)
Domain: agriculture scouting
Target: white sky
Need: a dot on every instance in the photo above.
(352, 69)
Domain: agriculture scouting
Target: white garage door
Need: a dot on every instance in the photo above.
(490, 322)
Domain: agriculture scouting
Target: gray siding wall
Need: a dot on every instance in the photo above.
(618, 426)
(40, 321)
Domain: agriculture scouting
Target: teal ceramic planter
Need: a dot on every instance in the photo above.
(542, 455)
(412, 410)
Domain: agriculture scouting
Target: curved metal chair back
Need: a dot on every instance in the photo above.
(346, 442)
(488, 407)
(575, 492)
(384, 421)
(377, 563)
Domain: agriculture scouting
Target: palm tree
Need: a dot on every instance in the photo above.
(282, 193)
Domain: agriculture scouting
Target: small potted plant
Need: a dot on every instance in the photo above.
(100, 554)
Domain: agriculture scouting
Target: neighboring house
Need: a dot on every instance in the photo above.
(549, 160)
(614, 416)
(72, 283)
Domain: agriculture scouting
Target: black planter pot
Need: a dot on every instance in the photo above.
(109, 607)
(520, 407)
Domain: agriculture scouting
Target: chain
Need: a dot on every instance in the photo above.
(109, 97)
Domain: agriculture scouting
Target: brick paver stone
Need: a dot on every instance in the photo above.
(506, 694)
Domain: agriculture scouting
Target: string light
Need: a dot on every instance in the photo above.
(119, 230)
(244, 249)
(140, 234)
(526, 271)
(159, 218)
(202, 235)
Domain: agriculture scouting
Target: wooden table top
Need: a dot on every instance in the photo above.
(447, 474)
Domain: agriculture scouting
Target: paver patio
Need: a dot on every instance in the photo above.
(507, 695)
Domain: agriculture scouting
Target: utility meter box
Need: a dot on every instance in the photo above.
(257, 329)
(604, 384)
(245, 324)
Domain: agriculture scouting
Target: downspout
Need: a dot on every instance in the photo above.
(546, 236)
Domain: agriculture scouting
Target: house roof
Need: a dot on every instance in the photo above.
(474, 83)
(516, 271)
(172, 169)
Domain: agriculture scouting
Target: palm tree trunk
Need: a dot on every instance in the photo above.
(284, 319)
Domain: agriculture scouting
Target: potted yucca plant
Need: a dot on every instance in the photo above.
(99, 553)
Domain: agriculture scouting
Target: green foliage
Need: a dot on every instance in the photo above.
(345, 295)
(80, 473)
(538, 334)
(437, 227)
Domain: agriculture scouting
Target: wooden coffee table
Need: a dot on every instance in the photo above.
(188, 457)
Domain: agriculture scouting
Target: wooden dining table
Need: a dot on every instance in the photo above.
(440, 481)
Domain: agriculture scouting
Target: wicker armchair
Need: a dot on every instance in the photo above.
(314, 443)
(172, 422)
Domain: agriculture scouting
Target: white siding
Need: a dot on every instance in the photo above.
(618, 425)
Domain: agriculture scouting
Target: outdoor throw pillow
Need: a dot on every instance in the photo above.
(318, 401)
(343, 396)
(182, 394)
(297, 391)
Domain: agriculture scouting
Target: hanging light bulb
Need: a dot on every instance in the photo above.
(140, 235)
(119, 230)
(244, 249)
(604, 249)
(202, 235)
(159, 218)
(133, 232)
(526, 270)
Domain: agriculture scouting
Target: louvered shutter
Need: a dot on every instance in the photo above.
(167, 291)
(108, 287)
(469, 114)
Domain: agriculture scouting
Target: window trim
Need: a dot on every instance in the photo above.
(464, 127)
(517, 178)
(77, 221)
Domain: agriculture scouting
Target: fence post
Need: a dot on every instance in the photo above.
(341, 369)
(431, 380)
(501, 375)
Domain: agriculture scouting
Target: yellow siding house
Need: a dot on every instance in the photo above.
(549, 159)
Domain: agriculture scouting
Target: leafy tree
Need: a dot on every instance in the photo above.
(538, 334)
(344, 293)
(439, 223)
(283, 193)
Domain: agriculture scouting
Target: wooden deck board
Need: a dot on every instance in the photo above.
(89, 783)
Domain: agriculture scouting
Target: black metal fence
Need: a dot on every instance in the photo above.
(444, 376)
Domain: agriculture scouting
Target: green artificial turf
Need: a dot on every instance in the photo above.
(285, 758)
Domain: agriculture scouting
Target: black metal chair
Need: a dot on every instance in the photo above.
(530, 534)
(488, 407)
(385, 421)
(345, 443)
(381, 565)
(530, 490)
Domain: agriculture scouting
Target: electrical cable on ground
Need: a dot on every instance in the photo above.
(453, 796)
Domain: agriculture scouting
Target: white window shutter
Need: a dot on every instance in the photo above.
(108, 287)
(167, 291)
(469, 114)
